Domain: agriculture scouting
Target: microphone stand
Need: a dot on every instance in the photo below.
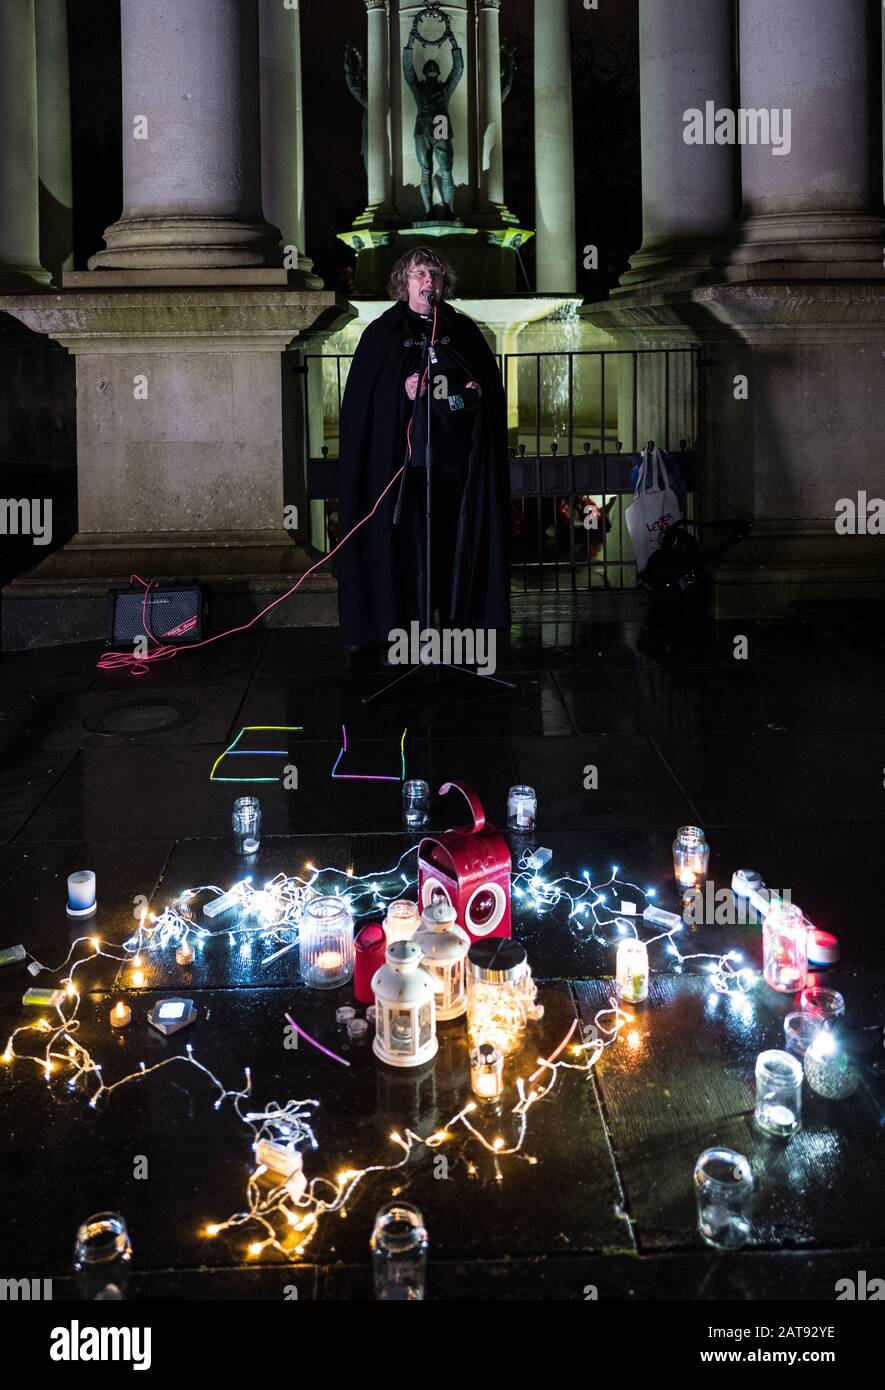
(428, 359)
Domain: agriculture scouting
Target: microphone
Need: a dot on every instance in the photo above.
(430, 298)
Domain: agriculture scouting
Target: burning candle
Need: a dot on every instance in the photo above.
(486, 1072)
(121, 1014)
(185, 954)
(691, 855)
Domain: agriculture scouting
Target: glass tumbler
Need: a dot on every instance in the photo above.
(102, 1253)
(416, 804)
(723, 1189)
(778, 1093)
(246, 821)
(399, 1253)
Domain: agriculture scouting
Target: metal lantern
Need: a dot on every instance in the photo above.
(405, 1017)
(444, 946)
(469, 868)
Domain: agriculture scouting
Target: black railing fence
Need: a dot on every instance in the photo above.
(576, 423)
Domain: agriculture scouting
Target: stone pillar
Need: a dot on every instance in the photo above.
(813, 211)
(191, 164)
(282, 134)
(54, 138)
(689, 191)
(20, 266)
(379, 210)
(491, 141)
(554, 149)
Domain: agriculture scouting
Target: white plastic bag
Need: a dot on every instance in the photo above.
(654, 509)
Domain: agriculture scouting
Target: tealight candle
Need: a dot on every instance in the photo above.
(121, 1014)
(81, 893)
(185, 954)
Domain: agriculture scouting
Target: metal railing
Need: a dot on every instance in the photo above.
(576, 421)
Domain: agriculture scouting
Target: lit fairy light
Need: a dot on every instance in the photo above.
(287, 1210)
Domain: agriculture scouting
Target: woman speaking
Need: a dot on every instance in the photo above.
(381, 569)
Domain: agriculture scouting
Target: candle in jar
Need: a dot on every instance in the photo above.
(631, 971)
(486, 1072)
(121, 1014)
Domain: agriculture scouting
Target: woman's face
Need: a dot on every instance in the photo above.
(421, 278)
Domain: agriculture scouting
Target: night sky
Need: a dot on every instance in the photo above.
(606, 128)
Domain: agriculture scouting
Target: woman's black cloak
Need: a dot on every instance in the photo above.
(380, 569)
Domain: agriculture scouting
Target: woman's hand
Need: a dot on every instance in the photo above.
(412, 386)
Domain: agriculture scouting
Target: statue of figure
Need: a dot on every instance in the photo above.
(357, 85)
(508, 68)
(433, 135)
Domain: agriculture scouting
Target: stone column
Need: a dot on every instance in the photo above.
(54, 138)
(191, 164)
(554, 149)
(813, 211)
(378, 212)
(689, 191)
(20, 266)
(282, 133)
(491, 143)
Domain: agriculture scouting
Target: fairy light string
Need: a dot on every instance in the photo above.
(288, 1211)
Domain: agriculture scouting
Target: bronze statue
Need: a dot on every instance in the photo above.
(433, 133)
(357, 85)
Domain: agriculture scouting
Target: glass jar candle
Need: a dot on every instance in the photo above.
(800, 1031)
(326, 943)
(102, 1254)
(522, 809)
(785, 947)
(778, 1093)
(496, 1011)
(486, 1072)
(416, 804)
(825, 1003)
(402, 921)
(246, 822)
(723, 1187)
(691, 855)
(399, 1253)
(631, 971)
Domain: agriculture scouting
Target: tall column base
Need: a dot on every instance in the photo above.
(808, 245)
(187, 447)
(65, 599)
(687, 261)
(189, 241)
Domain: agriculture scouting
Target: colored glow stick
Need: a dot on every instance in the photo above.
(313, 1042)
(368, 776)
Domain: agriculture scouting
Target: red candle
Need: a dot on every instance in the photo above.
(369, 948)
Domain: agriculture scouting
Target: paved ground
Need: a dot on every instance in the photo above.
(779, 757)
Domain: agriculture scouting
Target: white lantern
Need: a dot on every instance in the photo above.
(405, 1017)
(444, 946)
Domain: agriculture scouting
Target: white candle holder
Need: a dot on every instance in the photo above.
(405, 1017)
(444, 946)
